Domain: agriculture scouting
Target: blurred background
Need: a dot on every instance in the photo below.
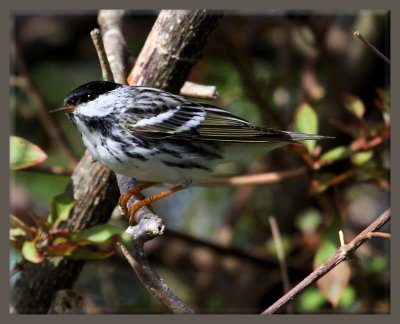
(218, 253)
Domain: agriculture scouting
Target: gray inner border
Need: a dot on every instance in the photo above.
(249, 6)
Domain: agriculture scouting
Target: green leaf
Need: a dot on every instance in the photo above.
(24, 154)
(30, 252)
(308, 220)
(361, 158)
(348, 297)
(336, 154)
(354, 105)
(311, 300)
(306, 121)
(99, 234)
(60, 207)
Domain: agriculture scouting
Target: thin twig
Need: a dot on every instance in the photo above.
(343, 253)
(281, 257)
(378, 234)
(341, 238)
(358, 35)
(101, 52)
(118, 54)
(254, 179)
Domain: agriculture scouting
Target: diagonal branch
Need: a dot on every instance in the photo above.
(342, 254)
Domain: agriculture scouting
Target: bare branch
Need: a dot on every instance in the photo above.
(153, 282)
(358, 35)
(101, 53)
(343, 253)
(254, 179)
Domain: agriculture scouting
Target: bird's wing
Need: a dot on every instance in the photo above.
(187, 120)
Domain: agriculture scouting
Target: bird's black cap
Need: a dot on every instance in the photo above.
(89, 91)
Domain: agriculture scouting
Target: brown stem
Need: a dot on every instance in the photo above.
(358, 35)
(254, 179)
(101, 53)
(152, 281)
(343, 253)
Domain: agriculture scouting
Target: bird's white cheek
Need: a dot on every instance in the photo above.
(99, 107)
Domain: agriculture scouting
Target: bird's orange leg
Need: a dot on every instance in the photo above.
(147, 201)
(123, 200)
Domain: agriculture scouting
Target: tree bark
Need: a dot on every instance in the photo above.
(174, 45)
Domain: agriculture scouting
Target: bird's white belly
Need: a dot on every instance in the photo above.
(152, 168)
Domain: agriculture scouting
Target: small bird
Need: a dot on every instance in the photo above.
(159, 137)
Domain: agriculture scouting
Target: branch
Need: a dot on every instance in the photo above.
(254, 179)
(173, 46)
(101, 53)
(358, 35)
(343, 253)
(153, 282)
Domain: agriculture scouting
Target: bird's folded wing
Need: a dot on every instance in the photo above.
(200, 122)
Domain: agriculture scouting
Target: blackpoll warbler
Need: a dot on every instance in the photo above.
(156, 136)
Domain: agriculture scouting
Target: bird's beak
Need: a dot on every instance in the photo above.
(65, 109)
